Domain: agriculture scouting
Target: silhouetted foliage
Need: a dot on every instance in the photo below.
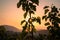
(54, 20)
(46, 7)
(29, 6)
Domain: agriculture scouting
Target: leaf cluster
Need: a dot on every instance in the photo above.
(28, 25)
(28, 6)
(53, 16)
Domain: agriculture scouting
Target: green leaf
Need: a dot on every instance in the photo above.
(59, 8)
(54, 9)
(44, 17)
(50, 19)
(46, 10)
(25, 27)
(25, 14)
(46, 7)
(31, 12)
(58, 20)
(22, 22)
(35, 1)
(33, 27)
(24, 6)
(27, 8)
(33, 7)
(59, 15)
(38, 20)
(29, 28)
(47, 23)
(33, 19)
(19, 4)
(49, 27)
(54, 14)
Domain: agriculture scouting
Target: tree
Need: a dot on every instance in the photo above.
(52, 18)
(29, 6)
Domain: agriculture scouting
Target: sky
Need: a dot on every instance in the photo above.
(11, 15)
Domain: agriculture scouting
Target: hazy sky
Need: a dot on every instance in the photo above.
(11, 15)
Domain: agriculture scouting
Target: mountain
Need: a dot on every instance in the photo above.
(10, 28)
(14, 29)
(43, 31)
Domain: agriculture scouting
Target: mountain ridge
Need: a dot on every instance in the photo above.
(14, 29)
(10, 28)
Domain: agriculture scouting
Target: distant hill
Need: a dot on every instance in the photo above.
(10, 28)
(14, 29)
(43, 32)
